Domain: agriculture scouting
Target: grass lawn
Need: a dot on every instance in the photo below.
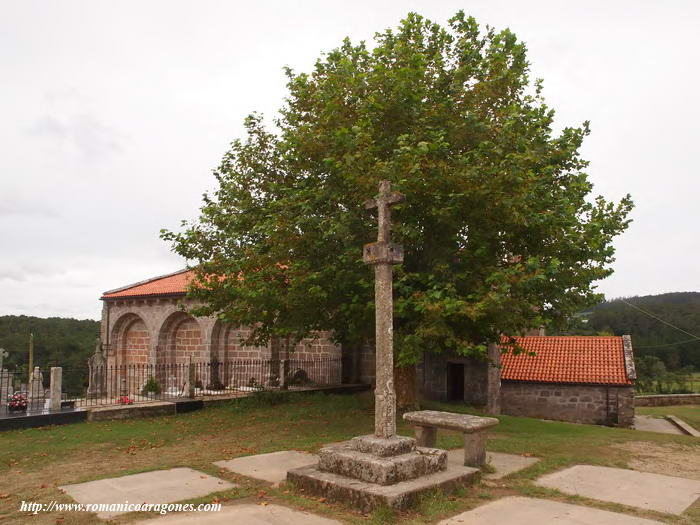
(34, 462)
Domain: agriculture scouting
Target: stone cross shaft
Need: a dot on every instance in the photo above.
(382, 255)
(3, 355)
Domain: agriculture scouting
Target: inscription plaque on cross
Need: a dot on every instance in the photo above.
(382, 255)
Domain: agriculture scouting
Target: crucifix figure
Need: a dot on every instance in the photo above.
(382, 255)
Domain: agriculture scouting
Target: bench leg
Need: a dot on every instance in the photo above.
(426, 436)
(475, 449)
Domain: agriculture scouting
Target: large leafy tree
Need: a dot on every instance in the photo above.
(499, 228)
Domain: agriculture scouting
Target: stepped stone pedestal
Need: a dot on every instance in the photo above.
(369, 471)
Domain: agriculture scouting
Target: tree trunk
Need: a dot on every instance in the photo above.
(405, 384)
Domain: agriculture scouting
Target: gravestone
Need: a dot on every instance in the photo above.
(36, 395)
(55, 386)
(383, 468)
(6, 379)
(97, 365)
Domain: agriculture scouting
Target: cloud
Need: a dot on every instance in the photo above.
(15, 205)
(29, 271)
(87, 134)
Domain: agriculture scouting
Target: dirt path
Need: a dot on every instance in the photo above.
(671, 459)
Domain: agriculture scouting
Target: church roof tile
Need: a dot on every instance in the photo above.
(171, 284)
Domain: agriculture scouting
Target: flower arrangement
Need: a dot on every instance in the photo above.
(17, 402)
(125, 400)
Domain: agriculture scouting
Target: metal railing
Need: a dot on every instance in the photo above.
(140, 383)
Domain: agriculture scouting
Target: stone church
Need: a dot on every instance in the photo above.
(580, 379)
(147, 323)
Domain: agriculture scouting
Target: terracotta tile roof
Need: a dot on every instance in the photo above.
(567, 359)
(171, 284)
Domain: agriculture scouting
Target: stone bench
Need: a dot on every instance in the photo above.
(474, 429)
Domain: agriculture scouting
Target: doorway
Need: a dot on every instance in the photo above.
(455, 382)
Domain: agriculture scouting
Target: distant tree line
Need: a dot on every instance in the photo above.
(665, 357)
(57, 342)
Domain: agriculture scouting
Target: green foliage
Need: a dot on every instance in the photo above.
(650, 337)
(652, 376)
(499, 229)
(57, 341)
(151, 386)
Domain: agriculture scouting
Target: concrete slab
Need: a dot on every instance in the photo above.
(684, 427)
(503, 463)
(247, 514)
(516, 510)
(270, 467)
(655, 424)
(628, 487)
(158, 486)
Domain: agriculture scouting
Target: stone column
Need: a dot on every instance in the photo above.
(56, 387)
(382, 255)
(493, 379)
(385, 396)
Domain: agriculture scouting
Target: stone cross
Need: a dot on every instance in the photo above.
(3, 355)
(382, 255)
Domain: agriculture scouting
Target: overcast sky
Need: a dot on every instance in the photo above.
(114, 113)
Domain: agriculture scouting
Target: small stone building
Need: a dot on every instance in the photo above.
(566, 378)
(579, 379)
(147, 323)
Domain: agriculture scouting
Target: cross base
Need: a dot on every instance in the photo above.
(370, 471)
(382, 253)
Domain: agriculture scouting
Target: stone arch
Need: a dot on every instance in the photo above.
(131, 340)
(217, 341)
(180, 338)
(131, 343)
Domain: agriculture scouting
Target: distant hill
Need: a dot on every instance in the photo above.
(57, 341)
(681, 309)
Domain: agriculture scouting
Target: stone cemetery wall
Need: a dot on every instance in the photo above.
(667, 400)
(593, 404)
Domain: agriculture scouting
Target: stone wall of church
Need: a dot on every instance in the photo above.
(160, 331)
(592, 404)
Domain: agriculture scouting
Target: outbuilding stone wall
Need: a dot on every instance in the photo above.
(593, 404)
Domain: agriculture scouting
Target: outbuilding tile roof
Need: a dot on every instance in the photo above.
(171, 284)
(566, 359)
